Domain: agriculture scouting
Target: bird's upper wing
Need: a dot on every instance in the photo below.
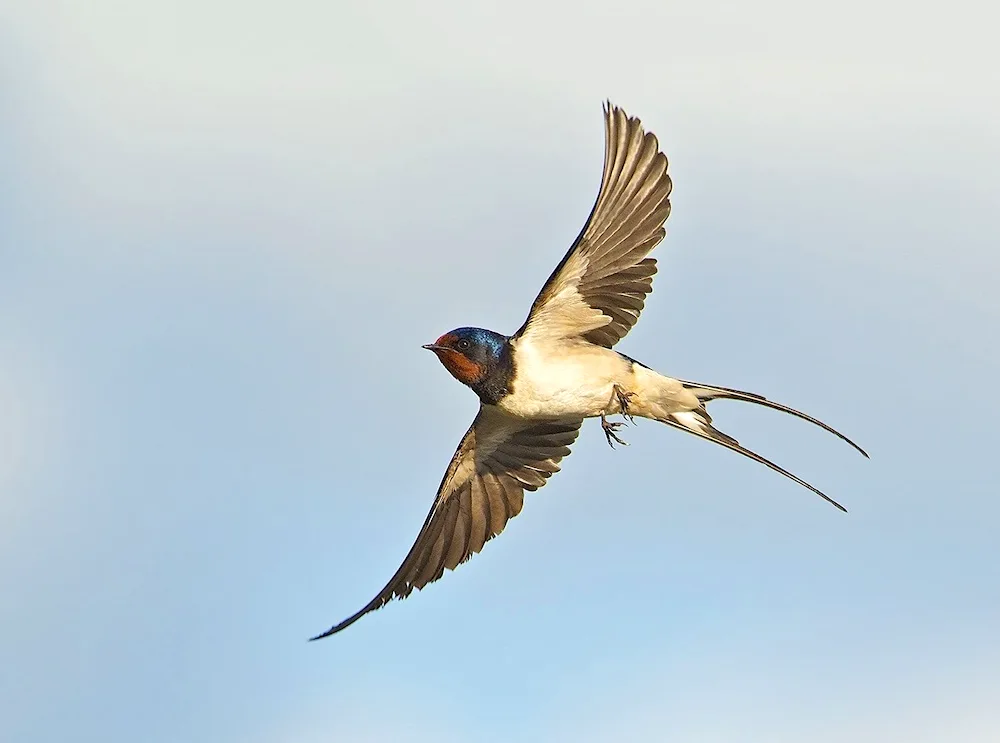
(499, 458)
(599, 288)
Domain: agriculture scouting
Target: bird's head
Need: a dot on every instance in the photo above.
(469, 354)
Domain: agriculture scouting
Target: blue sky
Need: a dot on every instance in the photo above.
(226, 229)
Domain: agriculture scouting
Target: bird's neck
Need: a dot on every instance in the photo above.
(496, 383)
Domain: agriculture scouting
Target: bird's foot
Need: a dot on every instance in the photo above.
(623, 397)
(609, 431)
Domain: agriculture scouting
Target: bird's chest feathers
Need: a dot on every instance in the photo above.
(571, 379)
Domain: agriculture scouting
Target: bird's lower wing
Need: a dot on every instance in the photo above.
(498, 459)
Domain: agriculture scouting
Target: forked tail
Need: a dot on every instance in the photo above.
(699, 422)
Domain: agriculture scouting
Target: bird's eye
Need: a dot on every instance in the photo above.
(463, 345)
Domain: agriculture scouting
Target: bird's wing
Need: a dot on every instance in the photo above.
(499, 458)
(598, 289)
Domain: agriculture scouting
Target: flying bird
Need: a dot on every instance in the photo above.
(538, 385)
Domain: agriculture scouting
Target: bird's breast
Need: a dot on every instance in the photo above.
(563, 380)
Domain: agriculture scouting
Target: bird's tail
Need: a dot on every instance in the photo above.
(706, 393)
(699, 422)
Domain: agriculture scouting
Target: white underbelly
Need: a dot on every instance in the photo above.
(571, 380)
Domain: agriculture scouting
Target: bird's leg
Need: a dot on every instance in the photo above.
(622, 397)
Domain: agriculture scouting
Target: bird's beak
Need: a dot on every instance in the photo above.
(434, 347)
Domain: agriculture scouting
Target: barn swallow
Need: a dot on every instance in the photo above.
(538, 385)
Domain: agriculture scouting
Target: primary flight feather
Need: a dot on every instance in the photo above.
(537, 386)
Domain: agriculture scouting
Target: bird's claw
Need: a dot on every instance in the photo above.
(609, 432)
(623, 397)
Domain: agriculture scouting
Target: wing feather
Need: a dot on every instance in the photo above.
(499, 508)
(599, 288)
(479, 507)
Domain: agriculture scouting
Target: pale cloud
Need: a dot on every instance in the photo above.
(260, 49)
(183, 111)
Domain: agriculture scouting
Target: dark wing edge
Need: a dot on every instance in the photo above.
(624, 225)
(480, 492)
